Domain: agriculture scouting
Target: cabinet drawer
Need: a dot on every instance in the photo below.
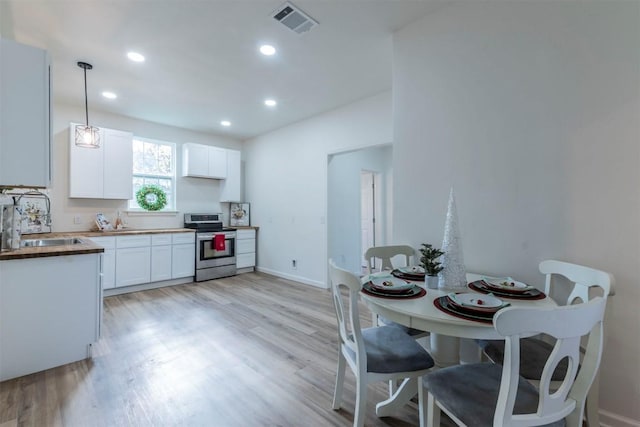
(245, 246)
(133, 241)
(245, 234)
(245, 260)
(105, 242)
(160, 239)
(179, 238)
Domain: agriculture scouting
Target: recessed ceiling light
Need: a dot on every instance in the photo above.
(225, 123)
(135, 56)
(109, 95)
(270, 102)
(267, 49)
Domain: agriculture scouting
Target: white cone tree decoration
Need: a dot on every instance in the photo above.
(453, 274)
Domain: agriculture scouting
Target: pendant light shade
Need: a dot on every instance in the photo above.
(87, 136)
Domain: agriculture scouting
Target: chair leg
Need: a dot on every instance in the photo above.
(361, 400)
(337, 393)
(422, 410)
(433, 415)
(593, 402)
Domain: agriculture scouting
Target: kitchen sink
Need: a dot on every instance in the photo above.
(31, 243)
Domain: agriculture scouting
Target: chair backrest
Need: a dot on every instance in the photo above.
(385, 253)
(345, 289)
(567, 324)
(583, 279)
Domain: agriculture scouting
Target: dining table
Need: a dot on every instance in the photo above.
(451, 337)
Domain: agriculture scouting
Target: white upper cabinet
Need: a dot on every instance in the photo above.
(231, 186)
(204, 161)
(105, 172)
(25, 122)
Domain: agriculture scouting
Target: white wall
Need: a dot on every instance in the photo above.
(286, 183)
(343, 202)
(193, 194)
(531, 111)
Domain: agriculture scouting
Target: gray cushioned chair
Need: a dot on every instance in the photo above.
(381, 353)
(487, 394)
(535, 351)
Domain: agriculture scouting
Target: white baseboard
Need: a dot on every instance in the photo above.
(300, 279)
(146, 286)
(609, 419)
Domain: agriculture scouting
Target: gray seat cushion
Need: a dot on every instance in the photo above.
(391, 350)
(471, 393)
(411, 331)
(533, 355)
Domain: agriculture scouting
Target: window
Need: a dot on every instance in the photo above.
(154, 163)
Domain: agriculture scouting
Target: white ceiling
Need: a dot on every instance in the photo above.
(203, 64)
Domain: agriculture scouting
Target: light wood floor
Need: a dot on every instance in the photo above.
(250, 350)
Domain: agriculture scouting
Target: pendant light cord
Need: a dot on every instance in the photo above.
(86, 102)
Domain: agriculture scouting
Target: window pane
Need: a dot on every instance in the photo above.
(153, 165)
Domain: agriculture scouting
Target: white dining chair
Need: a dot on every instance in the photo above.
(385, 254)
(381, 353)
(535, 350)
(486, 394)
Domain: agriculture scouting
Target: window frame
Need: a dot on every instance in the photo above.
(132, 205)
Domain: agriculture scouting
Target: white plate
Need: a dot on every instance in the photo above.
(390, 284)
(507, 283)
(476, 300)
(414, 269)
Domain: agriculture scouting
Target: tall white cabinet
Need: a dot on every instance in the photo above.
(105, 172)
(25, 116)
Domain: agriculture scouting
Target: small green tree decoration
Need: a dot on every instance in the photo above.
(428, 259)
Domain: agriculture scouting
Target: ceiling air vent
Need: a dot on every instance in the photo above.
(294, 19)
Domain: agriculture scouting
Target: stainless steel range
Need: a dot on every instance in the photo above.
(215, 246)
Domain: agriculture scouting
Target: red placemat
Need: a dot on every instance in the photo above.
(419, 294)
(533, 294)
(442, 305)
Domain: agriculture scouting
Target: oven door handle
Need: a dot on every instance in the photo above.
(209, 236)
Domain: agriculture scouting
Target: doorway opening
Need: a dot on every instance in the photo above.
(370, 230)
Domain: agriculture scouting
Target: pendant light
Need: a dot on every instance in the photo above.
(87, 136)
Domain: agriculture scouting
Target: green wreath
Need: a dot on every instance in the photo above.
(151, 197)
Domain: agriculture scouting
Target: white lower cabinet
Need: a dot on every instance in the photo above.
(133, 266)
(160, 257)
(245, 249)
(144, 258)
(50, 311)
(160, 263)
(183, 259)
(108, 261)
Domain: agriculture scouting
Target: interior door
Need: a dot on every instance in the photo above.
(367, 213)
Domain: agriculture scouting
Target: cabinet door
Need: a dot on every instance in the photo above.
(133, 266)
(195, 160)
(160, 263)
(245, 260)
(118, 164)
(109, 269)
(183, 260)
(231, 185)
(86, 168)
(245, 246)
(25, 129)
(217, 162)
